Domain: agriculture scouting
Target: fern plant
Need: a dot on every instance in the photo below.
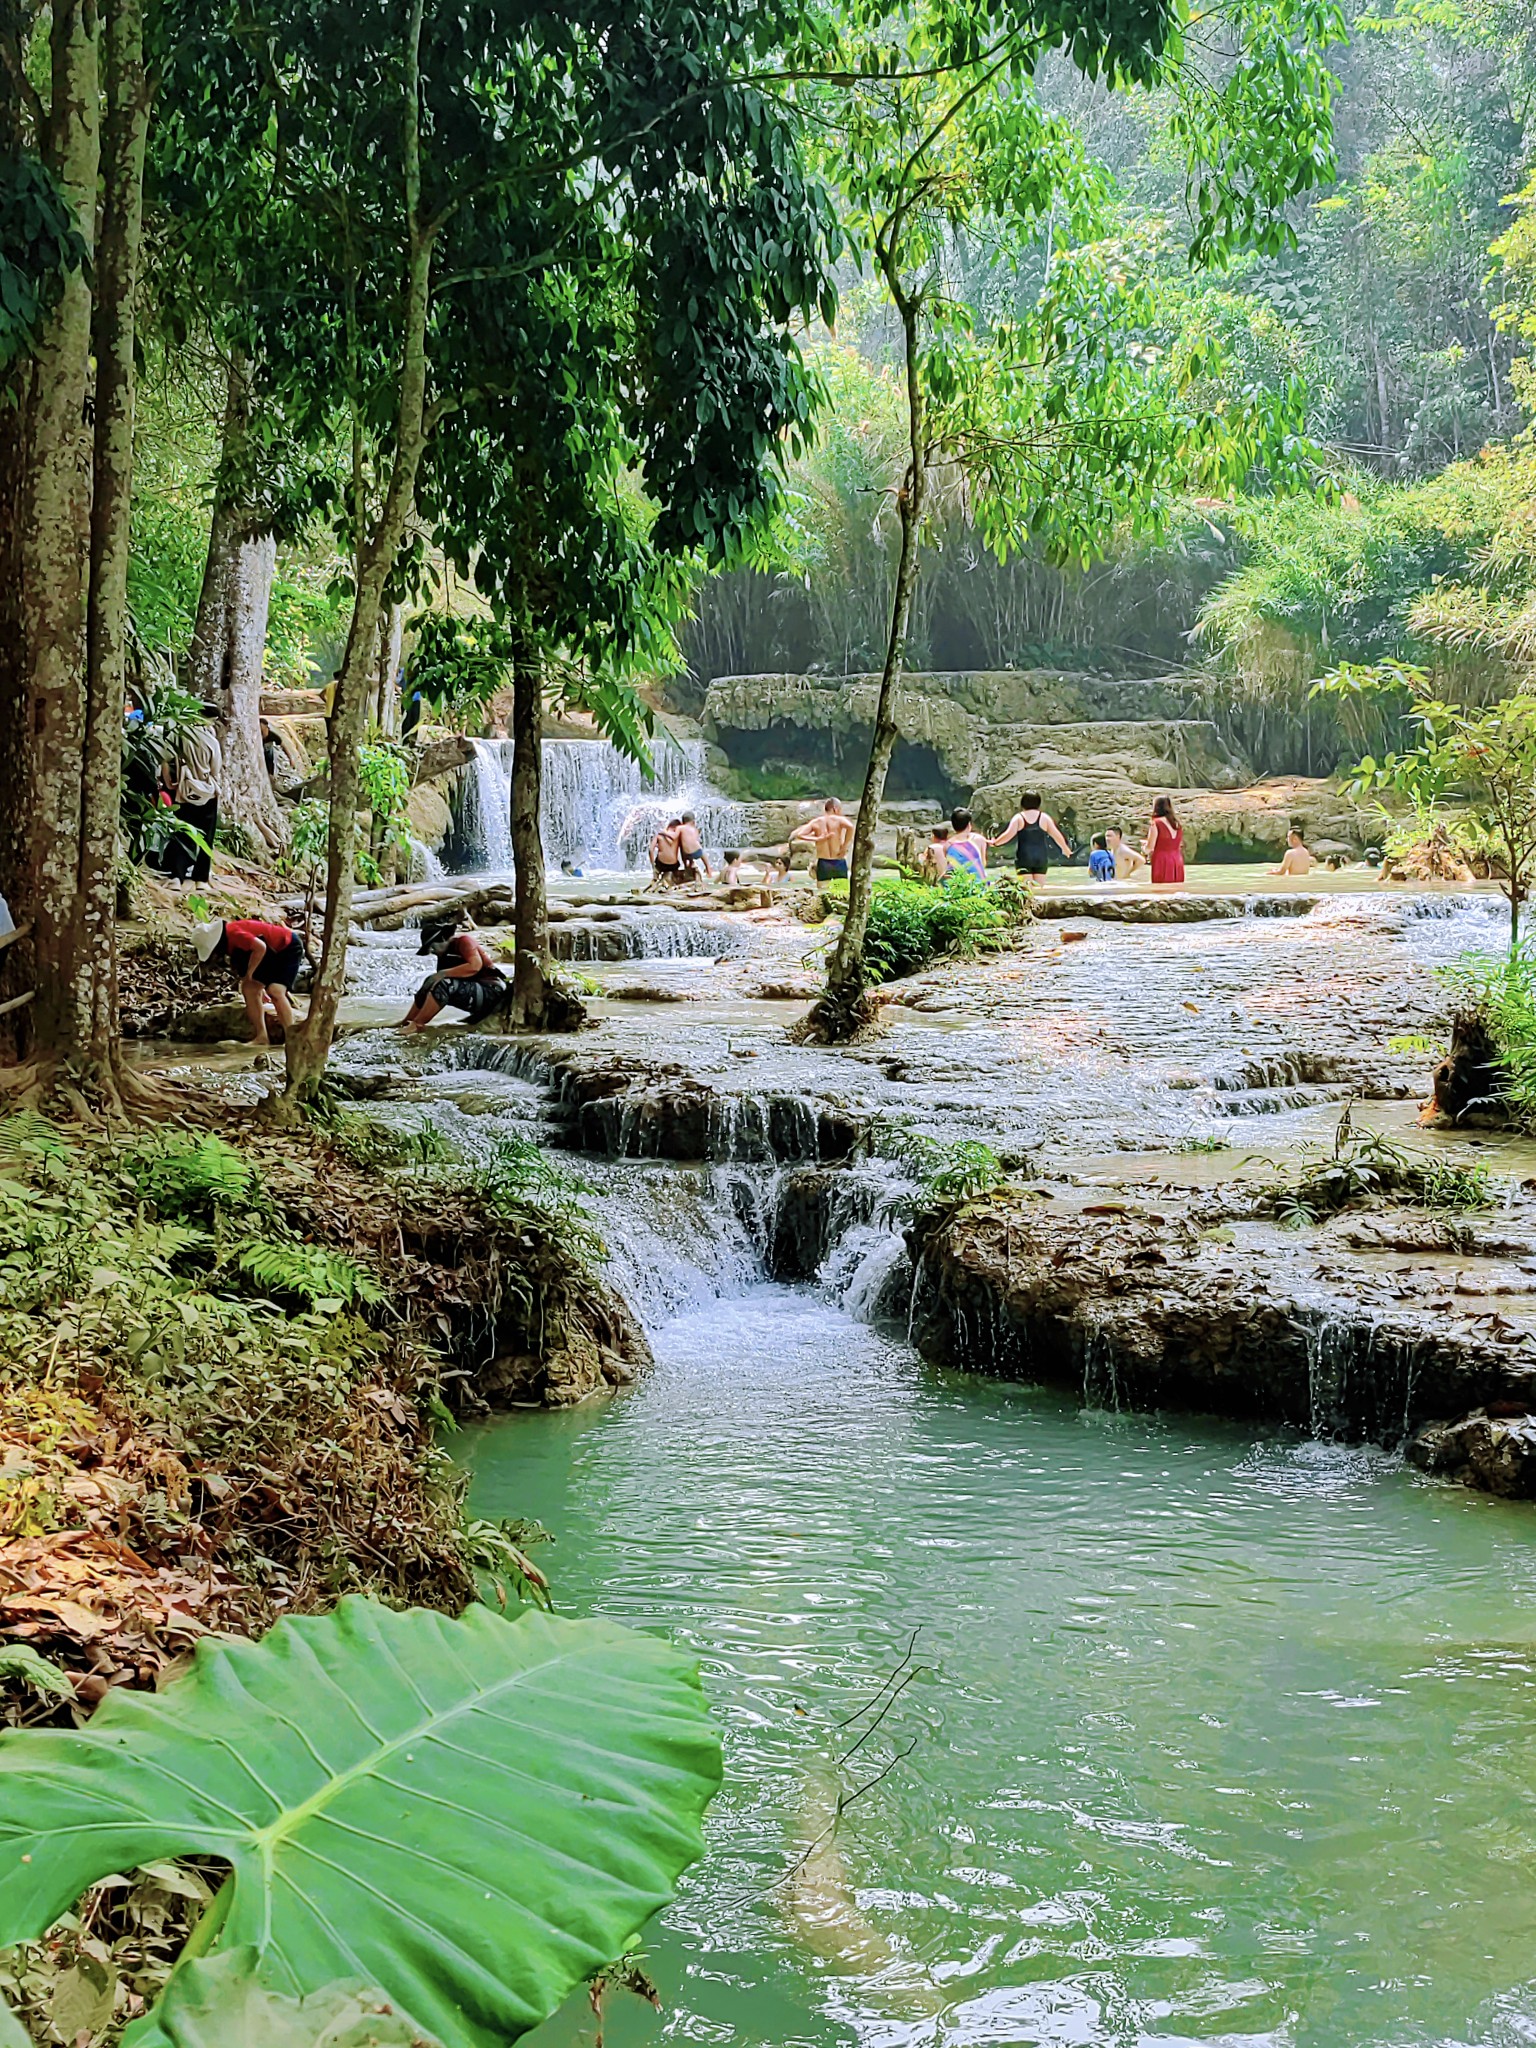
(316, 1275)
(185, 1178)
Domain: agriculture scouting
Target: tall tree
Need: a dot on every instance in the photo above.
(78, 139)
(1070, 418)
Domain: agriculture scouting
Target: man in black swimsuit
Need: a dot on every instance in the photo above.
(831, 835)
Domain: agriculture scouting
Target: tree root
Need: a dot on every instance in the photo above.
(840, 1017)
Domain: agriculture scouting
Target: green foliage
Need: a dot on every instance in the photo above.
(170, 713)
(912, 924)
(40, 241)
(946, 1172)
(1500, 994)
(124, 1269)
(519, 1181)
(1361, 1168)
(386, 788)
(221, 2002)
(451, 1778)
(458, 664)
(323, 1279)
(500, 1548)
(1487, 758)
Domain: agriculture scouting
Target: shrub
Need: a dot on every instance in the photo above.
(1500, 995)
(911, 924)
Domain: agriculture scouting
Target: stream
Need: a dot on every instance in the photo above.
(1206, 1736)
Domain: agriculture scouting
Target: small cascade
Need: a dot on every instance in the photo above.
(425, 865)
(1101, 1375)
(601, 813)
(597, 809)
(486, 823)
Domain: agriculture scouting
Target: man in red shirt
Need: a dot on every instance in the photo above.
(267, 959)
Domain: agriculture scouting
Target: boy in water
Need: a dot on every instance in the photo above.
(1298, 858)
(1127, 859)
(934, 865)
(1101, 862)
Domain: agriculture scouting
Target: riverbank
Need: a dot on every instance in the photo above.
(229, 1359)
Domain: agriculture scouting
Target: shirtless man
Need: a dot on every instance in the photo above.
(1127, 859)
(831, 835)
(690, 849)
(1298, 859)
(666, 853)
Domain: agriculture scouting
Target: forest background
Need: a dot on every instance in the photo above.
(1404, 309)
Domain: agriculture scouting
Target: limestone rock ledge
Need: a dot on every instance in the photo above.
(1130, 1311)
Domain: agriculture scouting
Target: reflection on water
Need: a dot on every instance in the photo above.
(1212, 1740)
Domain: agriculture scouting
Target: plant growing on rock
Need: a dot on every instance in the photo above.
(1361, 1168)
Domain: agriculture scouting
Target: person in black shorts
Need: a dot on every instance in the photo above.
(1037, 832)
(467, 978)
(266, 957)
(667, 854)
(831, 837)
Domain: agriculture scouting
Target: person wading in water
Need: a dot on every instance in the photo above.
(831, 835)
(267, 959)
(666, 853)
(467, 978)
(1165, 842)
(1036, 832)
(965, 849)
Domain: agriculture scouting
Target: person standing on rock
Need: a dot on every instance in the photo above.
(1165, 842)
(1037, 832)
(265, 957)
(192, 773)
(467, 978)
(830, 835)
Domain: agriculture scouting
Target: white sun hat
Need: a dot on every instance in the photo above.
(205, 937)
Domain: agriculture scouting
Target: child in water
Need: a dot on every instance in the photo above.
(1101, 862)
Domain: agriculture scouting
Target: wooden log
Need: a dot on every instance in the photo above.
(16, 932)
(17, 1002)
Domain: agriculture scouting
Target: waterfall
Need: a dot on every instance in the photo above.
(597, 810)
(425, 865)
(602, 813)
(487, 821)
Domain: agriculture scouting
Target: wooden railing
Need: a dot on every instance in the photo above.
(20, 1002)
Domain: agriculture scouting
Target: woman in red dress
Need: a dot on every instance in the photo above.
(1165, 842)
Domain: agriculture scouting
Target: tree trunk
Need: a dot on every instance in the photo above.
(229, 642)
(246, 795)
(55, 503)
(308, 1047)
(530, 974)
(117, 282)
(842, 1012)
(386, 693)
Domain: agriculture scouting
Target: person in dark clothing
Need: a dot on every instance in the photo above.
(1037, 832)
(411, 716)
(267, 959)
(271, 750)
(467, 978)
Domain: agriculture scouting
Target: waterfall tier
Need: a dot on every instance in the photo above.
(598, 811)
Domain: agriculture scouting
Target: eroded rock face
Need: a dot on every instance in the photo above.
(1495, 1454)
(1097, 752)
(1137, 1312)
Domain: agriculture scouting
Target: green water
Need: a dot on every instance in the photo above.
(1214, 1739)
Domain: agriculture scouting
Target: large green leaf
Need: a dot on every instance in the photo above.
(221, 2003)
(473, 1815)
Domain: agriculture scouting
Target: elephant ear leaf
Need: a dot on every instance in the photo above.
(471, 1815)
(219, 2002)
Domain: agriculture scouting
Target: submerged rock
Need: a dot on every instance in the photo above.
(1493, 1453)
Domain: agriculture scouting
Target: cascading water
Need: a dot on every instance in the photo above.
(487, 819)
(598, 810)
